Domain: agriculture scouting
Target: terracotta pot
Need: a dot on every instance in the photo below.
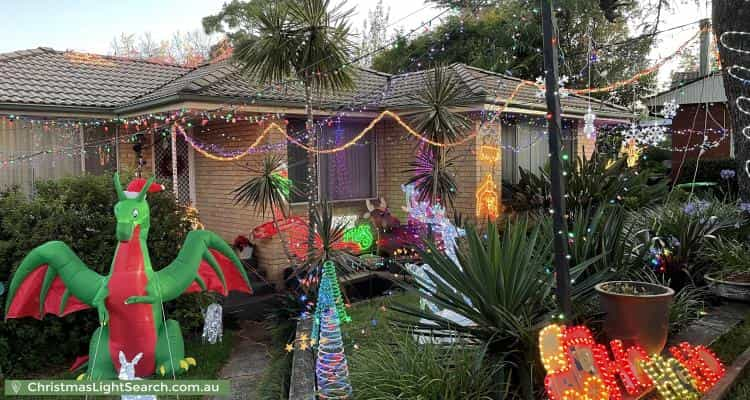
(725, 287)
(641, 318)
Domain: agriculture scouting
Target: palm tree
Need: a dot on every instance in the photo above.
(268, 190)
(438, 118)
(307, 40)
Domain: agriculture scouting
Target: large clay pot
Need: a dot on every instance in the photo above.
(638, 318)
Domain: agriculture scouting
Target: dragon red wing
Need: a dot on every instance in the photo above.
(232, 276)
(26, 301)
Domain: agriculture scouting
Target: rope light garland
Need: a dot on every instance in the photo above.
(740, 99)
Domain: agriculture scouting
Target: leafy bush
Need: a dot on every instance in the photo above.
(684, 229)
(405, 369)
(77, 211)
(600, 244)
(590, 182)
(728, 255)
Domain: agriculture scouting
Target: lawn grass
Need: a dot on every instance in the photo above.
(727, 348)
(371, 319)
(210, 358)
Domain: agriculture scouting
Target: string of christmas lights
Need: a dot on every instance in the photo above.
(331, 367)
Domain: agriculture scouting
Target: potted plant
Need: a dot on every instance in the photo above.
(733, 285)
(636, 313)
(732, 280)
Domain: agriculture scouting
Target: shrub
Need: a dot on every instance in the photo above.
(77, 211)
(685, 229)
(590, 182)
(405, 369)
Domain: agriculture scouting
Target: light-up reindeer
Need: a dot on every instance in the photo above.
(393, 238)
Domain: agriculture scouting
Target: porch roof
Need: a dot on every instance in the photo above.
(44, 79)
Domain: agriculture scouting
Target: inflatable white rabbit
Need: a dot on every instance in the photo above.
(127, 373)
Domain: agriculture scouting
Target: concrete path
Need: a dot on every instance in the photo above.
(717, 321)
(248, 361)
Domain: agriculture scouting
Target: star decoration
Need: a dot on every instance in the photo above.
(289, 348)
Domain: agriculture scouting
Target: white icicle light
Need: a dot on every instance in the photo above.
(588, 128)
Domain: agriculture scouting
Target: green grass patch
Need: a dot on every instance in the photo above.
(728, 348)
(387, 363)
(371, 320)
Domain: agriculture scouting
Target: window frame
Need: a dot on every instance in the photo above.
(373, 171)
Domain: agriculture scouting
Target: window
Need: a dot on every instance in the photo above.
(527, 146)
(344, 175)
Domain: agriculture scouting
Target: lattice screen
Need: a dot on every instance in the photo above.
(163, 164)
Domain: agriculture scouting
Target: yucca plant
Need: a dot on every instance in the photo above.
(268, 190)
(439, 119)
(600, 244)
(433, 182)
(305, 41)
(331, 234)
(502, 286)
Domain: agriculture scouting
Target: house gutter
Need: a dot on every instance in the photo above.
(213, 102)
(46, 110)
(496, 104)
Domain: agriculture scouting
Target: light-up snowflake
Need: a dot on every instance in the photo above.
(669, 109)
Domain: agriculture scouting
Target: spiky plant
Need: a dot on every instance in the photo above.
(438, 118)
(305, 41)
(433, 182)
(507, 288)
(502, 286)
(331, 235)
(268, 190)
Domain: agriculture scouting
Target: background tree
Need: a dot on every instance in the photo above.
(374, 33)
(186, 48)
(237, 19)
(307, 41)
(734, 15)
(506, 37)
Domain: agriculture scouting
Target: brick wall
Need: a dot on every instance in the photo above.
(127, 157)
(215, 181)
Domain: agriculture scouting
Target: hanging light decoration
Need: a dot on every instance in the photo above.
(588, 124)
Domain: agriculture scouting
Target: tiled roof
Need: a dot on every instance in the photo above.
(47, 77)
(368, 88)
(487, 86)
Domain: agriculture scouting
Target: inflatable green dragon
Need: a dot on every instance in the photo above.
(129, 300)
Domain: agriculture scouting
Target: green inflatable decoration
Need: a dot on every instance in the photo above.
(130, 298)
(362, 235)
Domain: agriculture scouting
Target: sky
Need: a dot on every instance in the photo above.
(90, 26)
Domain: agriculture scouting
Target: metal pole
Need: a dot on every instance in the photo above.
(558, 185)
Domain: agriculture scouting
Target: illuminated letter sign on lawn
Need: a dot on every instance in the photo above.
(581, 369)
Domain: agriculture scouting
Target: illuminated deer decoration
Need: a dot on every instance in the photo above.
(393, 238)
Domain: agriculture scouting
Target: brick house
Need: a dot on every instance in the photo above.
(71, 113)
(702, 112)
